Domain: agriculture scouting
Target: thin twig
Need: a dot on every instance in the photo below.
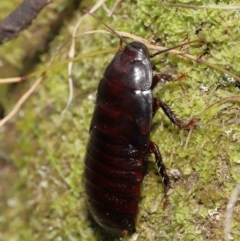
(71, 54)
(110, 13)
(21, 101)
(177, 5)
(135, 37)
(229, 211)
(231, 98)
(188, 138)
(177, 52)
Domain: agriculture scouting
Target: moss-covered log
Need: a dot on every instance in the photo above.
(44, 150)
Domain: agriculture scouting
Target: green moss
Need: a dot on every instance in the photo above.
(47, 149)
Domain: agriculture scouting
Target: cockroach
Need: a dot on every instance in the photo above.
(120, 137)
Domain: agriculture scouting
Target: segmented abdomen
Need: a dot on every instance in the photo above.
(113, 174)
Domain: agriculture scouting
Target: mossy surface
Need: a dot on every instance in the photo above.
(43, 195)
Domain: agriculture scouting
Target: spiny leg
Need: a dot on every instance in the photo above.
(157, 103)
(153, 148)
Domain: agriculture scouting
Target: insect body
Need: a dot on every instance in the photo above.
(120, 138)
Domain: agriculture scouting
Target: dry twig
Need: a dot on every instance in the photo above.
(20, 18)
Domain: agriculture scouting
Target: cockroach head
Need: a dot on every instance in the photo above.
(140, 47)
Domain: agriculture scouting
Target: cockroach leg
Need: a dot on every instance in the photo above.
(182, 76)
(177, 122)
(160, 78)
(165, 77)
(153, 148)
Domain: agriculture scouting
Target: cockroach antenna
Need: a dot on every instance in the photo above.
(111, 29)
(177, 46)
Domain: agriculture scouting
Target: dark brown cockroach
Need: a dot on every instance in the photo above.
(120, 137)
